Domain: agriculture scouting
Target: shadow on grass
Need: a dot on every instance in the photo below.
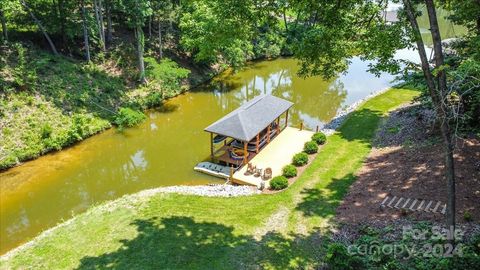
(182, 243)
(323, 202)
(360, 126)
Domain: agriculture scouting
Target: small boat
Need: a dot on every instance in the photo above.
(219, 138)
(213, 169)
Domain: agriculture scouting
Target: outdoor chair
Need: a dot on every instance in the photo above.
(250, 169)
(267, 173)
(258, 172)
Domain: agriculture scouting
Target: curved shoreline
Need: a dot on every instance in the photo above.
(222, 190)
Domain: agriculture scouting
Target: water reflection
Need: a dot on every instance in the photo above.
(163, 150)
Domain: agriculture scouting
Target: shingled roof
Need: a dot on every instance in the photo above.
(252, 117)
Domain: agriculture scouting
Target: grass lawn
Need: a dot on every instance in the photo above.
(172, 231)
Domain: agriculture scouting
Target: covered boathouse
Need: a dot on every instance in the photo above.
(242, 136)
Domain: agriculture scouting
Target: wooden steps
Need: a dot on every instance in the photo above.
(428, 206)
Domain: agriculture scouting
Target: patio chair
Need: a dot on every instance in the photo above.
(258, 172)
(250, 169)
(267, 173)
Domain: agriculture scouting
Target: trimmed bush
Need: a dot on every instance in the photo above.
(300, 159)
(319, 138)
(127, 117)
(289, 171)
(310, 147)
(278, 183)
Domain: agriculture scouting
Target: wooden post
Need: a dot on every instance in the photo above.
(211, 146)
(286, 119)
(268, 134)
(258, 142)
(231, 173)
(278, 125)
(316, 129)
(245, 152)
(301, 125)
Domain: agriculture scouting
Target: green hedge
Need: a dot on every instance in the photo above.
(278, 183)
(310, 147)
(300, 159)
(319, 138)
(289, 171)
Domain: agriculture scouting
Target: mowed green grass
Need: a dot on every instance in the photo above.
(171, 231)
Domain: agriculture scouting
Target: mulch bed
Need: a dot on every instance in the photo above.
(413, 172)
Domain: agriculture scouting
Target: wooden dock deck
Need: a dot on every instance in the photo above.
(278, 153)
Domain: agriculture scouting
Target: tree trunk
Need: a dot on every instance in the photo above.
(109, 37)
(85, 32)
(40, 26)
(285, 19)
(97, 4)
(160, 44)
(140, 47)
(61, 18)
(437, 99)
(4, 26)
(445, 127)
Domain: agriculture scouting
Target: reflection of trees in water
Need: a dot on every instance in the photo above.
(316, 100)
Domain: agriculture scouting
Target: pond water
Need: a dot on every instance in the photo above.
(164, 149)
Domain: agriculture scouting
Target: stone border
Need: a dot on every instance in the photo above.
(341, 116)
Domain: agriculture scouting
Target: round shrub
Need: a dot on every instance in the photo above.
(300, 159)
(319, 138)
(289, 171)
(127, 117)
(310, 147)
(278, 183)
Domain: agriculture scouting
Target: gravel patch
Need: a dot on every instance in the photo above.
(224, 190)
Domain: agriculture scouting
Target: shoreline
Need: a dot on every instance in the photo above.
(220, 190)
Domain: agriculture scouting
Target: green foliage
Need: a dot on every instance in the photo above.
(310, 147)
(300, 159)
(319, 138)
(136, 11)
(167, 74)
(467, 216)
(338, 258)
(289, 171)
(23, 74)
(269, 42)
(46, 131)
(153, 99)
(279, 183)
(128, 117)
(214, 33)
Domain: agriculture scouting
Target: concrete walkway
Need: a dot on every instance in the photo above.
(278, 153)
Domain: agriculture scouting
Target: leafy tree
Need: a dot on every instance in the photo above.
(137, 12)
(3, 21)
(464, 12)
(40, 26)
(215, 30)
(341, 30)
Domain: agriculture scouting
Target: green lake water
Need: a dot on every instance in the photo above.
(164, 149)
